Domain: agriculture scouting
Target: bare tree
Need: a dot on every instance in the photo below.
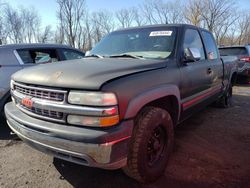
(215, 15)
(148, 12)
(138, 17)
(102, 23)
(84, 41)
(215, 12)
(30, 25)
(104, 19)
(46, 35)
(2, 32)
(82, 38)
(160, 12)
(70, 15)
(222, 28)
(13, 23)
(175, 12)
(243, 25)
(125, 17)
(193, 12)
(20, 25)
(59, 34)
(89, 31)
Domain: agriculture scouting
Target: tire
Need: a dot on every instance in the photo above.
(151, 145)
(226, 100)
(2, 114)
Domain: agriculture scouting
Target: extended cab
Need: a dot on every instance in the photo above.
(117, 108)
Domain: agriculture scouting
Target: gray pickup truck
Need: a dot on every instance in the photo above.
(18, 56)
(117, 108)
(243, 55)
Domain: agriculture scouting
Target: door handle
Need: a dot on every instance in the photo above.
(209, 71)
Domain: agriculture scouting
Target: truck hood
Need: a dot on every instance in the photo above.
(89, 73)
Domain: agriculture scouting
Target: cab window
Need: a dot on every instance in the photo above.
(192, 39)
(71, 54)
(210, 45)
(38, 56)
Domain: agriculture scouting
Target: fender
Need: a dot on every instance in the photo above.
(136, 104)
(227, 81)
(233, 70)
(232, 73)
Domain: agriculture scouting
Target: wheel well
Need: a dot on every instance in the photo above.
(170, 104)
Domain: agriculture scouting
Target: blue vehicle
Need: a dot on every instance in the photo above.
(18, 56)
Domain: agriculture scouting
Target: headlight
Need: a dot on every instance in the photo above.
(93, 121)
(11, 84)
(92, 98)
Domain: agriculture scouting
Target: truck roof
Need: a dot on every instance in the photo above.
(161, 25)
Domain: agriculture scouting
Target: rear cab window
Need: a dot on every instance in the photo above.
(210, 45)
(38, 56)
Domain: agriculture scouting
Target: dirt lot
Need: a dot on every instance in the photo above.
(212, 150)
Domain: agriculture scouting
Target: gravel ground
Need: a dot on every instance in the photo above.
(212, 149)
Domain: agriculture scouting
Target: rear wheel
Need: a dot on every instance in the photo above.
(226, 100)
(151, 145)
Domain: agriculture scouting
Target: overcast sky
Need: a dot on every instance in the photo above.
(47, 8)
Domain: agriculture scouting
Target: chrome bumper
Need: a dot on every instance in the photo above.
(97, 148)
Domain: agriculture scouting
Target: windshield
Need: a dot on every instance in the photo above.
(146, 43)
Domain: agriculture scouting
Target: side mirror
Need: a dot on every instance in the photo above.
(192, 54)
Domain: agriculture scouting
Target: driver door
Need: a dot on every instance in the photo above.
(195, 75)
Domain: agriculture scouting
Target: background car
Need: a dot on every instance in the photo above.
(243, 54)
(18, 56)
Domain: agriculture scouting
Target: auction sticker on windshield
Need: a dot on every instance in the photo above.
(160, 33)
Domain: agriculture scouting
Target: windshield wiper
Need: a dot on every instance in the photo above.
(95, 55)
(126, 55)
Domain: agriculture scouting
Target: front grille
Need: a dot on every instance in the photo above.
(46, 113)
(39, 93)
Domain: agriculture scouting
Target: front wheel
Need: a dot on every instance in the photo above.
(151, 145)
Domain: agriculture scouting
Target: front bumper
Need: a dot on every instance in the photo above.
(102, 148)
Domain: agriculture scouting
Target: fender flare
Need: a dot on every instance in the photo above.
(227, 82)
(233, 72)
(136, 104)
